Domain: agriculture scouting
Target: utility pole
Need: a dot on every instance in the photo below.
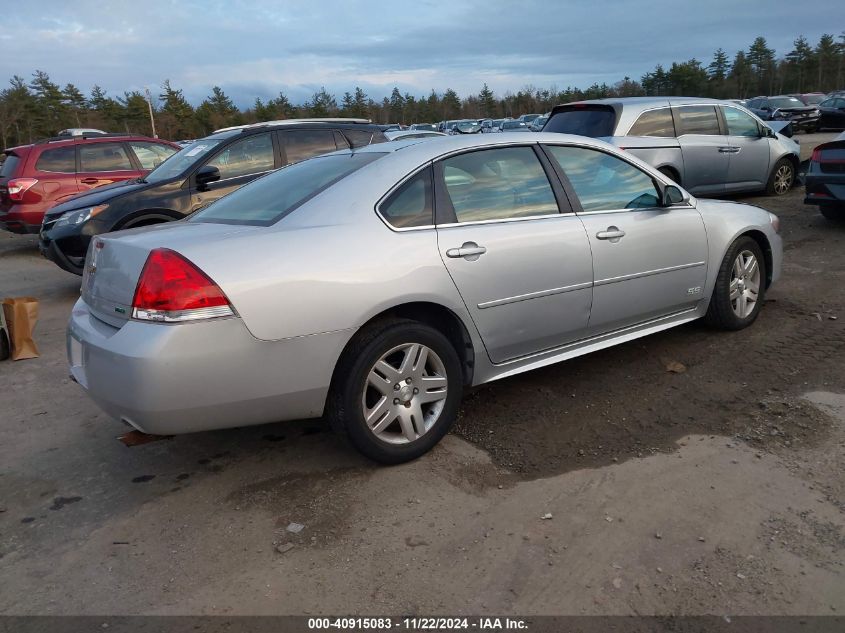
(150, 106)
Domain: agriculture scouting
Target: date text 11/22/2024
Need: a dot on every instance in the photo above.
(418, 624)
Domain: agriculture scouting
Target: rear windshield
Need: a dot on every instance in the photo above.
(835, 154)
(595, 121)
(813, 99)
(267, 200)
(9, 165)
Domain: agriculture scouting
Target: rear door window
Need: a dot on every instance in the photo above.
(498, 184)
(303, 144)
(698, 120)
(594, 121)
(362, 138)
(96, 157)
(654, 123)
(251, 155)
(60, 160)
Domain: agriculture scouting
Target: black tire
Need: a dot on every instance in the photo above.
(832, 212)
(345, 410)
(781, 179)
(720, 313)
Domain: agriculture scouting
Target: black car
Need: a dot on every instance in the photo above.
(200, 173)
(825, 179)
(832, 113)
(786, 108)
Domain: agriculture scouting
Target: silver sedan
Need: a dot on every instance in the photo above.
(371, 286)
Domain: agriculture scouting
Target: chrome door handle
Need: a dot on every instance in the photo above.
(729, 150)
(470, 250)
(612, 233)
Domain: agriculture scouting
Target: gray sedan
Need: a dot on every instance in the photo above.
(372, 286)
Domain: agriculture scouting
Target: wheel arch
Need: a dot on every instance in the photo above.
(434, 315)
(671, 171)
(142, 217)
(765, 246)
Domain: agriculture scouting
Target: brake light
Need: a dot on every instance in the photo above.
(173, 289)
(19, 186)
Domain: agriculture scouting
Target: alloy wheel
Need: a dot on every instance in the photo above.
(745, 284)
(783, 179)
(404, 393)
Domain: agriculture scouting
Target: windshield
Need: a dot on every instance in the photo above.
(593, 121)
(182, 160)
(510, 125)
(786, 102)
(267, 200)
(813, 99)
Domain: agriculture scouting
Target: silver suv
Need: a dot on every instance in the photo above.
(710, 147)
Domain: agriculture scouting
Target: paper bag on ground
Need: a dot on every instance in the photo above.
(21, 316)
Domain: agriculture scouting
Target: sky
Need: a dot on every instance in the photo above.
(257, 48)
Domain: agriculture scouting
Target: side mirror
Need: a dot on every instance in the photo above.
(672, 195)
(206, 174)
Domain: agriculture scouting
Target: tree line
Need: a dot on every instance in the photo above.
(39, 107)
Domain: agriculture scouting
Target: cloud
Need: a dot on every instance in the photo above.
(258, 48)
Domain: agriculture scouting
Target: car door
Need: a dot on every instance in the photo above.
(705, 150)
(56, 172)
(517, 254)
(750, 157)
(648, 261)
(104, 163)
(239, 163)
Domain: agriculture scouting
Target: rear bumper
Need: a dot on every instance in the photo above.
(18, 218)
(171, 379)
(824, 189)
(16, 226)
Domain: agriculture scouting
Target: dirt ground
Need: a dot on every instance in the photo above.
(716, 490)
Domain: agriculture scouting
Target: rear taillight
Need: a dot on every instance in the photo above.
(172, 289)
(19, 186)
(816, 156)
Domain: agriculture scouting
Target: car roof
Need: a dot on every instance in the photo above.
(281, 123)
(646, 101)
(61, 141)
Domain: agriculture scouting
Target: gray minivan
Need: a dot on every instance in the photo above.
(708, 146)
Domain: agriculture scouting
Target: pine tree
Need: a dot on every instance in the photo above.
(487, 102)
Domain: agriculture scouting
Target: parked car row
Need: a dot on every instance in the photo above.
(811, 111)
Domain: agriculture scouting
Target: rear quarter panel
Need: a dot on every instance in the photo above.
(331, 265)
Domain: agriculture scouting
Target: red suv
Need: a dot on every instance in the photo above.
(35, 177)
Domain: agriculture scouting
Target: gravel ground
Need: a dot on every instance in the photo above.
(711, 489)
